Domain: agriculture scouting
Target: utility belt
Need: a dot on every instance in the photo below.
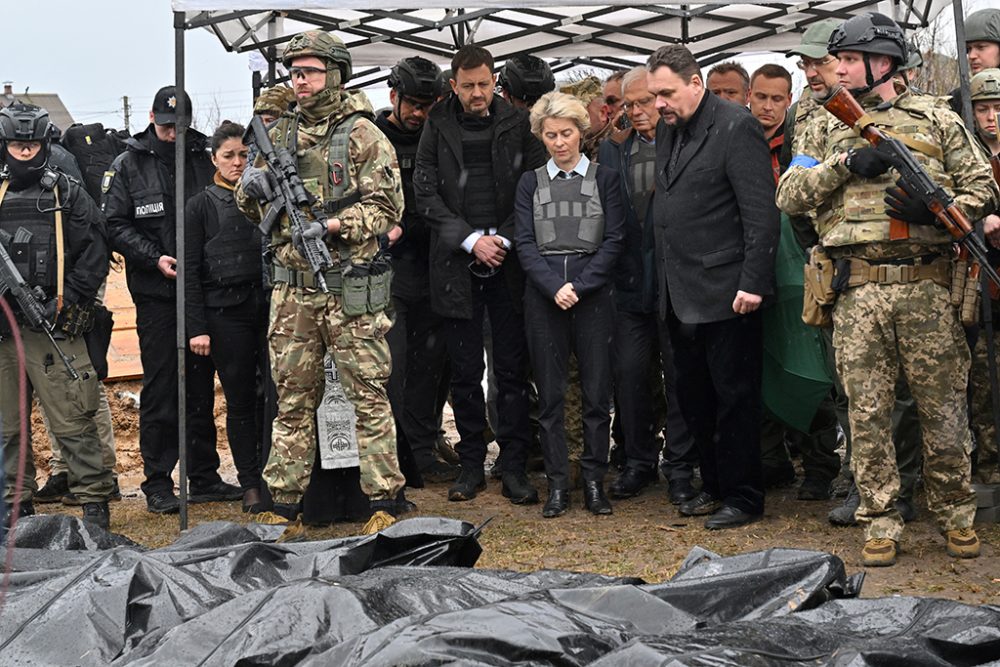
(826, 278)
(364, 288)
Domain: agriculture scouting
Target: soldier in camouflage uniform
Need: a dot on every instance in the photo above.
(984, 90)
(895, 311)
(305, 322)
(273, 102)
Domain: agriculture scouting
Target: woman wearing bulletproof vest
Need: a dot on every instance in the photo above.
(570, 222)
(226, 309)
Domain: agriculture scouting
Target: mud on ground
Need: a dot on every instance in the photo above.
(645, 536)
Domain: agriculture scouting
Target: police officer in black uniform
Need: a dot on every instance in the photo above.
(416, 342)
(138, 200)
(54, 234)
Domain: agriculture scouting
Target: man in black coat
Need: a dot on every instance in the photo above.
(716, 229)
(138, 200)
(473, 150)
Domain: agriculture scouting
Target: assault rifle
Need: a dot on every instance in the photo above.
(12, 282)
(292, 199)
(843, 105)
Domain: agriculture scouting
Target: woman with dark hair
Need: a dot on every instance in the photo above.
(570, 222)
(226, 308)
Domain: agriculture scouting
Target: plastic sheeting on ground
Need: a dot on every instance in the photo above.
(225, 595)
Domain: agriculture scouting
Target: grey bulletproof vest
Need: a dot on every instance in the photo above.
(569, 218)
(642, 176)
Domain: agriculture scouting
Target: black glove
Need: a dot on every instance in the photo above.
(258, 183)
(866, 162)
(901, 204)
(314, 229)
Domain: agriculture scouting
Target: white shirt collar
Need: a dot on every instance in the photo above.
(580, 168)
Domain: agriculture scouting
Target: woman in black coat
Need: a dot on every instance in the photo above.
(226, 308)
(569, 224)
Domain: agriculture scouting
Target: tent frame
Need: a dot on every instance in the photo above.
(462, 26)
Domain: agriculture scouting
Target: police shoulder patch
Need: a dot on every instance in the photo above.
(109, 176)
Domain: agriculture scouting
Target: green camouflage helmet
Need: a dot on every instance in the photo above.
(320, 44)
(985, 85)
(983, 26)
(274, 101)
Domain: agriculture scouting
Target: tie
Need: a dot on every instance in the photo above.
(675, 152)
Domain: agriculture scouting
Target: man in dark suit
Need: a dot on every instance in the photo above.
(472, 152)
(716, 232)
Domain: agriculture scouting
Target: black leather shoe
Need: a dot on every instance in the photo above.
(403, 505)
(215, 493)
(906, 510)
(162, 502)
(55, 488)
(439, 472)
(631, 482)
(25, 509)
(97, 514)
(703, 503)
(469, 483)
(730, 517)
(557, 504)
(681, 491)
(518, 489)
(594, 498)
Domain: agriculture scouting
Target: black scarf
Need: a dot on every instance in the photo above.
(25, 173)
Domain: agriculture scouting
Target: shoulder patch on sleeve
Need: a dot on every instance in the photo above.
(109, 176)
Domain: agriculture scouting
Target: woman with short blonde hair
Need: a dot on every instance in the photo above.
(569, 228)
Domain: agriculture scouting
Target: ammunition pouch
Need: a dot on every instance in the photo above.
(818, 296)
(77, 319)
(367, 287)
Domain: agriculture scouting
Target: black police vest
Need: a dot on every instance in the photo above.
(232, 256)
(29, 234)
(569, 218)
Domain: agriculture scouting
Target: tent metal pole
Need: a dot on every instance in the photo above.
(183, 120)
(272, 53)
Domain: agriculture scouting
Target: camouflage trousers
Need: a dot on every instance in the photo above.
(303, 326)
(987, 471)
(880, 329)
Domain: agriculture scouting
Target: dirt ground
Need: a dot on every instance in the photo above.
(645, 536)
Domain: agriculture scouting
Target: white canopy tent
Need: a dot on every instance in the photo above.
(611, 35)
(608, 35)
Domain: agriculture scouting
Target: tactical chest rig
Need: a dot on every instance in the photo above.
(35, 244)
(325, 172)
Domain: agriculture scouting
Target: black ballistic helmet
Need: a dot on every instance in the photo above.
(526, 77)
(25, 122)
(415, 77)
(870, 34)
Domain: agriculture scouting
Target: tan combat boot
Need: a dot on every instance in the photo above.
(879, 552)
(963, 543)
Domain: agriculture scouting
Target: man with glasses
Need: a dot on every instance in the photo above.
(416, 340)
(640, 342)
(473, 150)
(350, 167)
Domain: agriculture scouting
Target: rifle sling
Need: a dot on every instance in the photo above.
(60, 246)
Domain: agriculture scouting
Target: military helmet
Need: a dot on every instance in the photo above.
(985, 85)
(872, 33)
(983, 26)
(914, 59)
(444, 83)
(320, 44)
(25, 122)
(526, 77)
(415, 77)
(274, 100)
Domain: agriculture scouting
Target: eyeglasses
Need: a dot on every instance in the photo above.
(417, 105)
(18, 146)
(646, 101)
(810, 63)
(305, 72)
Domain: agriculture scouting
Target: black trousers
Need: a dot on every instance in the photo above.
(465, 351)
(419, 363)
(642, 343)
(239, 346)
(719, 367)
(586, 331)
(156, 323)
